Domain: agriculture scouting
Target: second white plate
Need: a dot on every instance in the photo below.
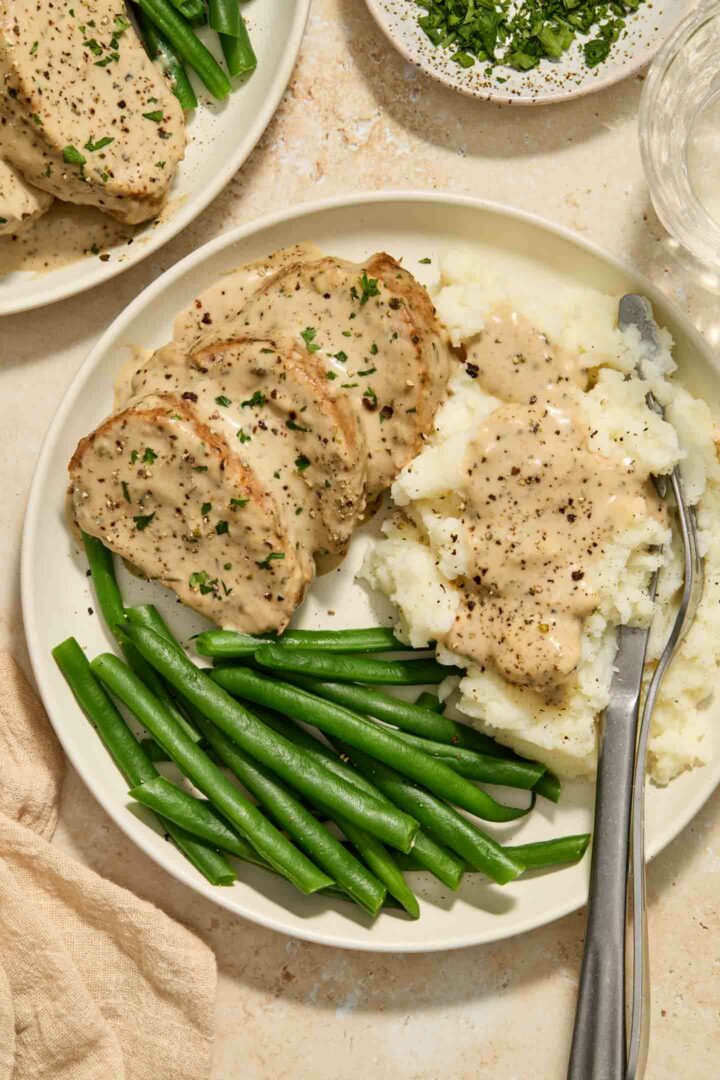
(58, 602)
(221, 136)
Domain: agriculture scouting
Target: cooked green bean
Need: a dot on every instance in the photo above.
(159, 48)
(346, 667)
(197, 766)
(382, 864)
(325, 849)
(228, 643)
(443, 823)
(549, 787)
(484, 767)
(193, 10)
(401, 714)
(224, 17)
(269, 748)
(211, 864)
(148, 615)
(362, 733)
(563, 850)
(102, 571)
(239, 54)
(431, 856)
(431, 702)
(196, 816)
(127, 753)
(187, 44)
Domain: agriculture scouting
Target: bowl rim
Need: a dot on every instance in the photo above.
(502, 97)
(36, 509)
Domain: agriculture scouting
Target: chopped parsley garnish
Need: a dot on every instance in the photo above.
(425, 262)
(121, 24)
(157, 116)
(242, 436)
(264, 564)
(205, 509)
(330, 375)
(294, 426)
(72, 156)
(94, 46)
(257, 400)
(298, 511)
(222, 400)
(200, 580)
(346, 333)
(199, 468)
(308, 335)
(134, 455)
(368, 288)
(125, 491)
(149, 456)
(238, 504)
(368, 371)
(374, 349)
(3, 221)
(520, 36)
(348, 385)
(93, 146)
(302, 463)
(341, 357)
(34, 48)
(143, 520)
(370, 398)
(222, 527)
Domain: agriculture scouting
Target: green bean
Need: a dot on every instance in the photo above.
(228, 643)
(362, 733)
(402, 714)
(102, 571)
(430, 701)
(443, 823)
(211, 864)
(159, 48)
(224, 17)
(431, 856)
(270, 749)
(345, 667)
(484, 767)
(187, 44)
(292, 816)
(563, 850)
(196, 816)
(382, 864)
(128, 755)
(196, 765)
(148, 615)
(193, 10)
(549, 787)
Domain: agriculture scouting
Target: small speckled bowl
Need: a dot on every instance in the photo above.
(552, 80)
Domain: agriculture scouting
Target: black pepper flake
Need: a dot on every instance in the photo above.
(189, 395)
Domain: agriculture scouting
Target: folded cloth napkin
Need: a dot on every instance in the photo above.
(95, 984)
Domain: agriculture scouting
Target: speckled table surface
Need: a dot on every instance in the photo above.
(356, 118)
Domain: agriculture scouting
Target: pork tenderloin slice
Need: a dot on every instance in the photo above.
(20, 203)
(306, 447)
(359, 329)
(84, 114)
(163, 490)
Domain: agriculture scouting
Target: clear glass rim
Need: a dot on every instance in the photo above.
(685, 218)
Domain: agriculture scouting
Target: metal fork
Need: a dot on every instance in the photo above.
(599, 1039)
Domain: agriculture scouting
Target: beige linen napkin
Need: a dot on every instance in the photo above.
(95, 984)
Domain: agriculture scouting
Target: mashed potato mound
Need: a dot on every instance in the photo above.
(424, 550)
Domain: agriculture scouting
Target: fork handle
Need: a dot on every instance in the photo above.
(598, 1046)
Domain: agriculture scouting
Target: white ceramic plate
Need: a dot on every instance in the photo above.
(552, 80)
(56, 592)
(221, 136)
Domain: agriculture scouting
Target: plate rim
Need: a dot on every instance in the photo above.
(502, 97)
(190, 209)
(33, 521)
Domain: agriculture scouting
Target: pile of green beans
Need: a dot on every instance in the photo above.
(389, 777)
(167, 30)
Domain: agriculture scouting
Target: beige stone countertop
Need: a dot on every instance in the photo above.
(357, 118)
